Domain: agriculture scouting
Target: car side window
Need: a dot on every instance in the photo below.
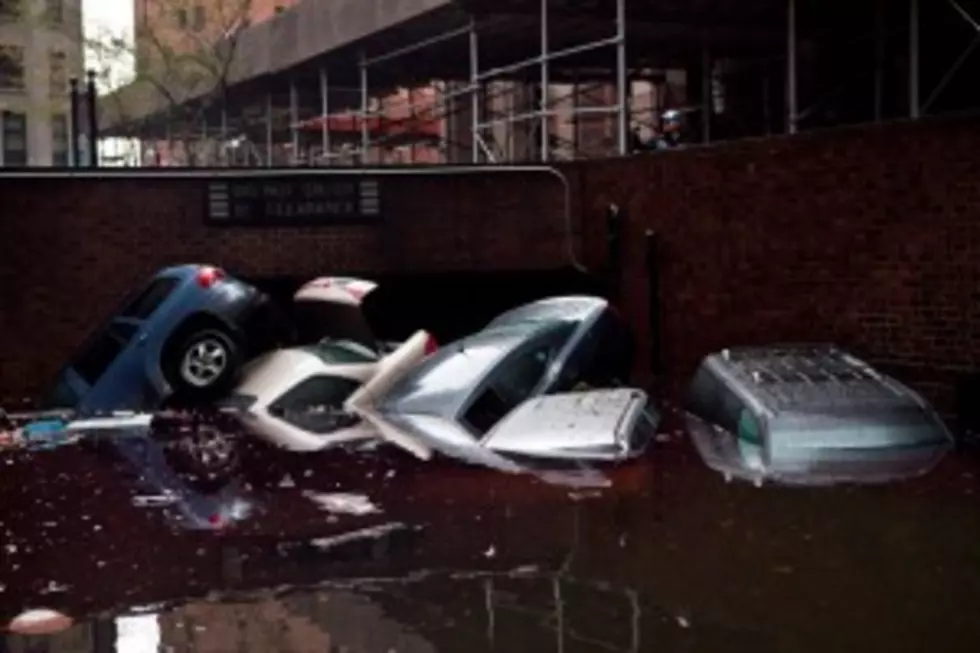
(316, 404)
(96, 356)
(513, 381)
(150, 299)
(710, 399)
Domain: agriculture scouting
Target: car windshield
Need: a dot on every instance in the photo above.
(895, 429)
(459, 365)
(559, 309)
(340, 352)
(517, 377)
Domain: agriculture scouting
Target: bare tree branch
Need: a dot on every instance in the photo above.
(184, 54)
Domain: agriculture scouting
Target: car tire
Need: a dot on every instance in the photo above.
(204, 364)
(207, 455)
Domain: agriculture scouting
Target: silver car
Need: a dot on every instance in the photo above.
(481, 398)
(809, 414)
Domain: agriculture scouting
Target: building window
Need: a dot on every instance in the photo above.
(181, 18)
(199, 18)
(11, 68)
(10, 10)
(58, 73)
(14, 138)
(59, 140)
(54, 11)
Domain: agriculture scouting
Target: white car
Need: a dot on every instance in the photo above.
(294, 397)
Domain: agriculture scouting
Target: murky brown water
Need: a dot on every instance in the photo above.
(670, 559)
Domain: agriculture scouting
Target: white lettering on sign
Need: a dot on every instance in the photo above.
(304, 200)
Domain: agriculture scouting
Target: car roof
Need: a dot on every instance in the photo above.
(441, 383)
(569, 308)
(809, 378)
(179, 270)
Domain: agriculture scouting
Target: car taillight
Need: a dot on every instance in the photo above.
(431, 344)
(208, 276)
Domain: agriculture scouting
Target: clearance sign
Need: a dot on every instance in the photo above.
(293, 201)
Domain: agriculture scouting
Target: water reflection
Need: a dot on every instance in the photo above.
(670, 558)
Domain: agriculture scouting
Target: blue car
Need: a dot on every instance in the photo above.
(185, 334)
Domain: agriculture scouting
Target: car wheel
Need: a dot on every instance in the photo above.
(207, 454)
(205, 363)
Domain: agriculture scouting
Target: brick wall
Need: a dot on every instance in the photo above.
(72, 248)
(868, 237)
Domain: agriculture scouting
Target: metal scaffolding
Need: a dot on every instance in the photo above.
(475, 87)
(527, 87)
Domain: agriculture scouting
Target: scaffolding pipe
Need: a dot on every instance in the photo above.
(419, 45)
(365, 136)
(324, 113)
(224, 132)
(914, 59)
(474, 95)
(879, 59)
(707, 99)
(294, 121)
(268, 130)
(951, 72)
(531, 115)
(543, 124)
(792, 111)
(486, 75)
(552, 56)
(621, 78)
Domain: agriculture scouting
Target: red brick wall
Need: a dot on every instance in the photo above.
(869, 237)
(71, 248)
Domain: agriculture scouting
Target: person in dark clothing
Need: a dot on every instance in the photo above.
(670, 133)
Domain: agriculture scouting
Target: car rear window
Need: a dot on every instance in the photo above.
(150, 299)
(710, 399)
(516, 377)
(96, 357)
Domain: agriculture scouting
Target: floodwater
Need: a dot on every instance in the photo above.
(670, 558)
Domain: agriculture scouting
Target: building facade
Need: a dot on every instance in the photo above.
(41, 48)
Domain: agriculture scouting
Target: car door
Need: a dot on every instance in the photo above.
(112, 370)
(335, 308)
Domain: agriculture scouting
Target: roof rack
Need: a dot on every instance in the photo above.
(823, 376)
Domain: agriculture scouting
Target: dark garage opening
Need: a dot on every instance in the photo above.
(448, 305)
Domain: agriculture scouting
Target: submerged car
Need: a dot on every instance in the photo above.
(450, 399)
(185, 467)
(809, 414)
(187, 332)
(294, 396)
(509, 396)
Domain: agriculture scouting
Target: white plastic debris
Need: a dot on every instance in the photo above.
(491, 552)
(287, 482)
(343, 503)
(39, 621)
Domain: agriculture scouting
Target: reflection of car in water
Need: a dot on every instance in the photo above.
(184, 467)
(186, 331)
(352, 551)
(294, 397)
(809, 414)
(480, 398)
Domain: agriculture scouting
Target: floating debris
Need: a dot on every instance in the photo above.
(40, 621)
(343, 503)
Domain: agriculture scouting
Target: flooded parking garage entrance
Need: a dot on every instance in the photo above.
(405, 556)
(670, 558)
